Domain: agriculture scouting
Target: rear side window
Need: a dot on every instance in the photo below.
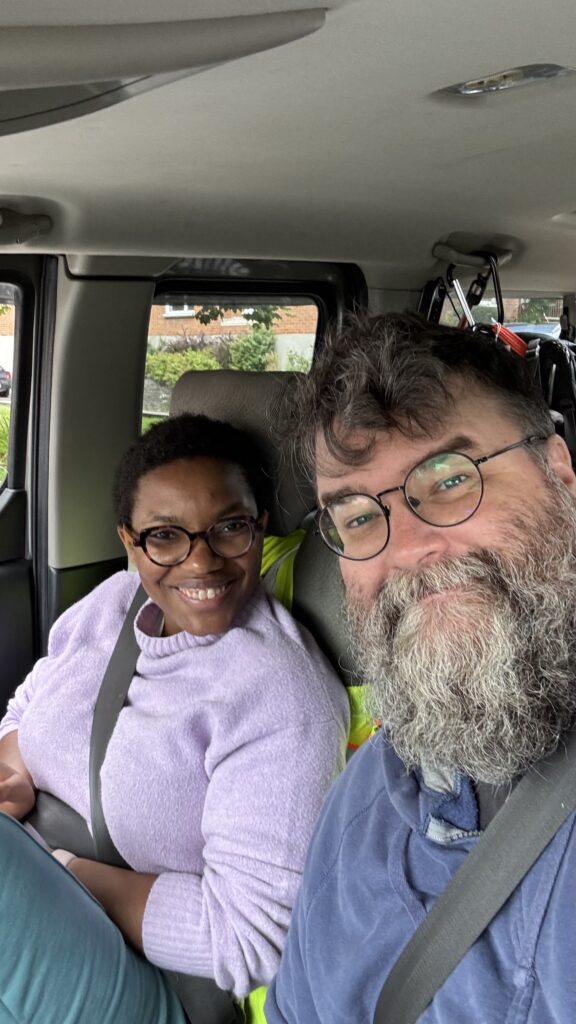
(8, 315)
(521, 312)
(224, 332)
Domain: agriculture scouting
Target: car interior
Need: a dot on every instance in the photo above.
(192, 193)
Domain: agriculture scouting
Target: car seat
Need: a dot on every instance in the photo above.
(312, 585)
(250, 400)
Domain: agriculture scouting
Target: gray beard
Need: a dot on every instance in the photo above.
(481, 681)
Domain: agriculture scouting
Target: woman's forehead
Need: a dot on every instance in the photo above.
(193, 481)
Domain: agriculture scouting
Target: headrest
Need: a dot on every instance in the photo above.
(319, 603)
(250, 401)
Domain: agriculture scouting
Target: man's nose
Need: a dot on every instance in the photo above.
(413, 543)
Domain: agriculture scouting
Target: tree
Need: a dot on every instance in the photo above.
(537, 311)
(260, 316)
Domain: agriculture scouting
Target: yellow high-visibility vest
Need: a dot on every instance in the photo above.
(277, 568)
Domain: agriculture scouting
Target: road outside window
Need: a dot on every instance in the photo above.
(223, 333)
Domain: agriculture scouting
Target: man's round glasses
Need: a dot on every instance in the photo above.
(443, 490)
(171, 545)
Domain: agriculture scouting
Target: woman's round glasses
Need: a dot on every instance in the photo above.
(443, 490)
(171, 545)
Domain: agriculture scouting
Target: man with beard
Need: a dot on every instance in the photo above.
(450, 503)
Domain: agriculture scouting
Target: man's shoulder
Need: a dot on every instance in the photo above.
(359, 795)
(363, 780)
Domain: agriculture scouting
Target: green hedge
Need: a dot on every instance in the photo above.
(4, 433)
(168, 367)
(252, 351)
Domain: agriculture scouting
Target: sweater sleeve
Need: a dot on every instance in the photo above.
(262, 804)
(24, 693)
(16, 706)
(67, 634)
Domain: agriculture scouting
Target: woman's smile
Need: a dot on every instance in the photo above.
(208, 593)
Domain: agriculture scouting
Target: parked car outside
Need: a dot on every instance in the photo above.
(553, 329)
(5, 382)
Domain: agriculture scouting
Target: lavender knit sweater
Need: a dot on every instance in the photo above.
(214, 775)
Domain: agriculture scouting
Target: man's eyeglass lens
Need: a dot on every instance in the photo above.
(171, 545)
(443, 491)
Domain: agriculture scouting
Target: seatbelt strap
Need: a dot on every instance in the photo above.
(512, 842)
(110, 701)
(201, 998)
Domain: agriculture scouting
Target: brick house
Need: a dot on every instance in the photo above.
(295, 328)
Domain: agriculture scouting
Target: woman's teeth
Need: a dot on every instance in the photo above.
(203, 595)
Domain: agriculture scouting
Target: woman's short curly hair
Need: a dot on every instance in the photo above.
(189, 436)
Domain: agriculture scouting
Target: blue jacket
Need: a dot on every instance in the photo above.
(385, 847)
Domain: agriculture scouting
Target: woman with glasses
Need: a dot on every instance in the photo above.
(233, 728)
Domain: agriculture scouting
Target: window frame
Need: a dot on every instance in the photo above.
(336, 289)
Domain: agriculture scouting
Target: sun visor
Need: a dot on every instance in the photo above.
(50, 74)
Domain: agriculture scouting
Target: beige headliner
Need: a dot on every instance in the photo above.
(332, 147)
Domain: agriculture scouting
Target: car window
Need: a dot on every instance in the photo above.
(8, 313)
(223, 332)
(523, 312)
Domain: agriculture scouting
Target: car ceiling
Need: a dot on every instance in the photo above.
(334, 146)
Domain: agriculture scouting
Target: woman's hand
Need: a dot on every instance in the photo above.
(17, 796)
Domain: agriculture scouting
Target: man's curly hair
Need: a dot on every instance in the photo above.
(397, 372)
